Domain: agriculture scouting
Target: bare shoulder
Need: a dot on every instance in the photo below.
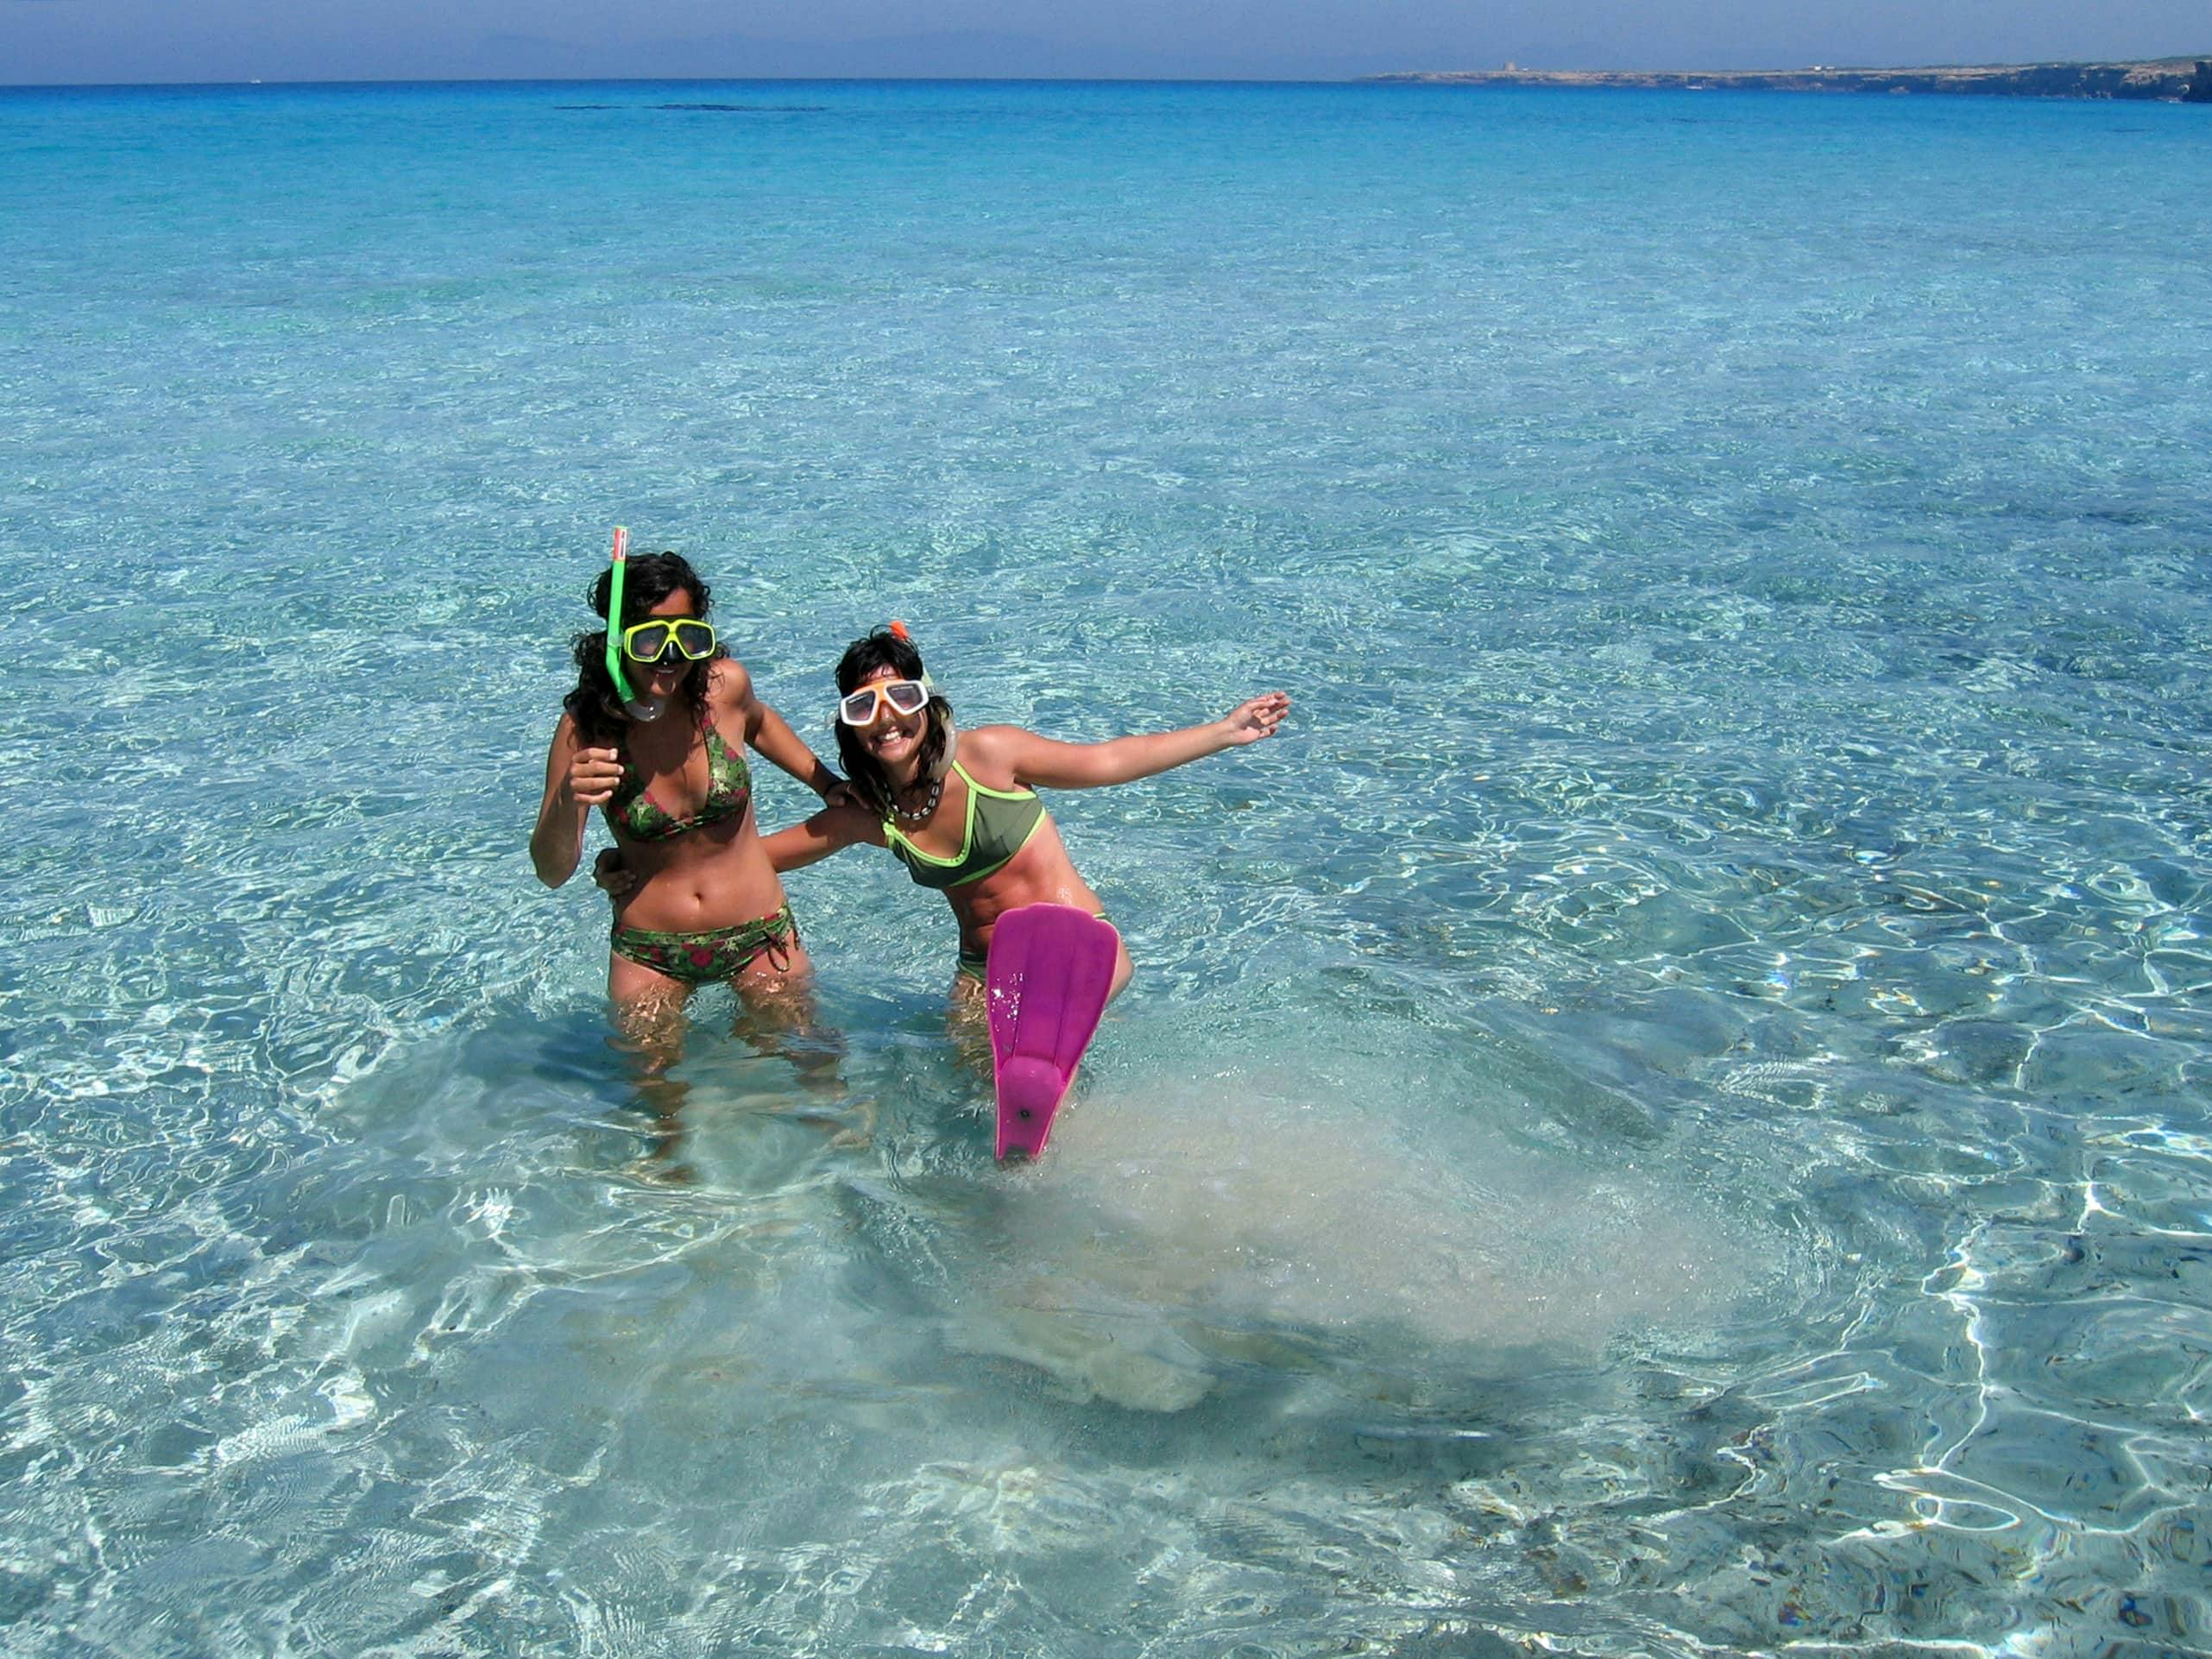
(728, 684)
(992, 752)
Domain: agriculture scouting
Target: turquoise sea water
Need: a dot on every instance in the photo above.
(1666, 1115)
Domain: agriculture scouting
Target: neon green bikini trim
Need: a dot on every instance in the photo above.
(1004, 835)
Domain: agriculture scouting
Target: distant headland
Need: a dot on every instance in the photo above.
(2174, 81)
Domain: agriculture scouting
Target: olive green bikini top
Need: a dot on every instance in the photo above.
(1000, 824)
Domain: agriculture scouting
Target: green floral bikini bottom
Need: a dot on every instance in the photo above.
(708, 958)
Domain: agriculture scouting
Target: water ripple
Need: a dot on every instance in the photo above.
(1665, 1114)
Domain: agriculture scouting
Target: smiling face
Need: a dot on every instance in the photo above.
(892, 740)
(892, 751)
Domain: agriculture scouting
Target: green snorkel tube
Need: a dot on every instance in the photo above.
(631, 706)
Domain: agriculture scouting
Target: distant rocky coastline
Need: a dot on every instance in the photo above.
(2174, 81)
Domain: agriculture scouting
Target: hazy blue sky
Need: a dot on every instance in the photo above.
(63, 40)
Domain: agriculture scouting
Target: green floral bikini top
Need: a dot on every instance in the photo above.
(1000, 824)
(729, 791)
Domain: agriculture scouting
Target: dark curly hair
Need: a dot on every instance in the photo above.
(649, 578)
(868, 655)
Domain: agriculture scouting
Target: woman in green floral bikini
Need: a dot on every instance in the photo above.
(662, 755)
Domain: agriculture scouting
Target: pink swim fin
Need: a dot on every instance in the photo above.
(1050, 973)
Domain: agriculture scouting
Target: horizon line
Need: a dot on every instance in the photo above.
(1368, 77)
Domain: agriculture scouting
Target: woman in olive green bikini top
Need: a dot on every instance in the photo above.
(960, 810)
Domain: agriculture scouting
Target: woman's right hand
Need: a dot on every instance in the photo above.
(594, 776)
(614, 877)
(1256, 718)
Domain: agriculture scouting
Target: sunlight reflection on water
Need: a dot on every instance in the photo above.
(1665, 1114)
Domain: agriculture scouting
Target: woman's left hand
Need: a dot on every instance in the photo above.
(1249, 721)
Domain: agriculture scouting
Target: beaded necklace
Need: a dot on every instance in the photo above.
(936, 784)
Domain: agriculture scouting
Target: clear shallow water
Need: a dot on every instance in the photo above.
(1666, 1115)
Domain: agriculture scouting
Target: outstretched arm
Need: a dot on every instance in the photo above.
(830, 830)
(1044, 764)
